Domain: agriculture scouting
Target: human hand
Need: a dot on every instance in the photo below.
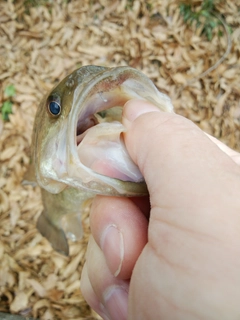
(181, 259)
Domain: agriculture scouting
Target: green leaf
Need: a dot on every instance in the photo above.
(230, 30)
(208, 5)
(206, 14)
(220, 33)
(204, 17)
(6, 109)
(10, 91)
(208, 32)
(149, 6)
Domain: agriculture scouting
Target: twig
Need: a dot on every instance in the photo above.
(229, 46)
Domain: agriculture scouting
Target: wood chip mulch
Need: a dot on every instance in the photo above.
(38, 47)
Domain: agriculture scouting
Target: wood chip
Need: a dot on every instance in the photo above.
(40, 46)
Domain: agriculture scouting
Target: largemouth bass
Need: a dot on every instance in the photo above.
(77, 133)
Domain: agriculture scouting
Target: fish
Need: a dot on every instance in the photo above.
(77, 134)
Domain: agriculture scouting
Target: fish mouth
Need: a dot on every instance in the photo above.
(97, 158)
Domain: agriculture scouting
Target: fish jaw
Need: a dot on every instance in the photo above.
(53, 162)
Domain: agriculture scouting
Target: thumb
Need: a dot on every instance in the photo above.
(176, 158)
(193, 229)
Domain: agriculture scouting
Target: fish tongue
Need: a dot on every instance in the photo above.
(102, 150)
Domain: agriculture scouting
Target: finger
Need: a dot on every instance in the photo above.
(194, 222)
(172, 154)
(120, 229)
(143, 204)
(110, 291)
(89, 294)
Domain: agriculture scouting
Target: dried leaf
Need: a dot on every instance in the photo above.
(41, 46)
(38, 288)
(20, 302)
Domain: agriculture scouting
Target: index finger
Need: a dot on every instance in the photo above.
(120, 229)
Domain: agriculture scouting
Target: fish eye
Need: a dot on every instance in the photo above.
(54, 108)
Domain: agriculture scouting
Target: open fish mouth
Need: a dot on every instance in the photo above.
(95, 121)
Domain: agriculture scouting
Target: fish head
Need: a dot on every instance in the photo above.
(78, 131)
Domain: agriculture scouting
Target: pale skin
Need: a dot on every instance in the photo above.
(179, 260)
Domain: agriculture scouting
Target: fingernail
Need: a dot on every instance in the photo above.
(135, 108)
(116, 302)
(112, 246)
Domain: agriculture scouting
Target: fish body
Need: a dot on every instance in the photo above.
(77, 134)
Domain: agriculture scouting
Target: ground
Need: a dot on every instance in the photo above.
(40, 43)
